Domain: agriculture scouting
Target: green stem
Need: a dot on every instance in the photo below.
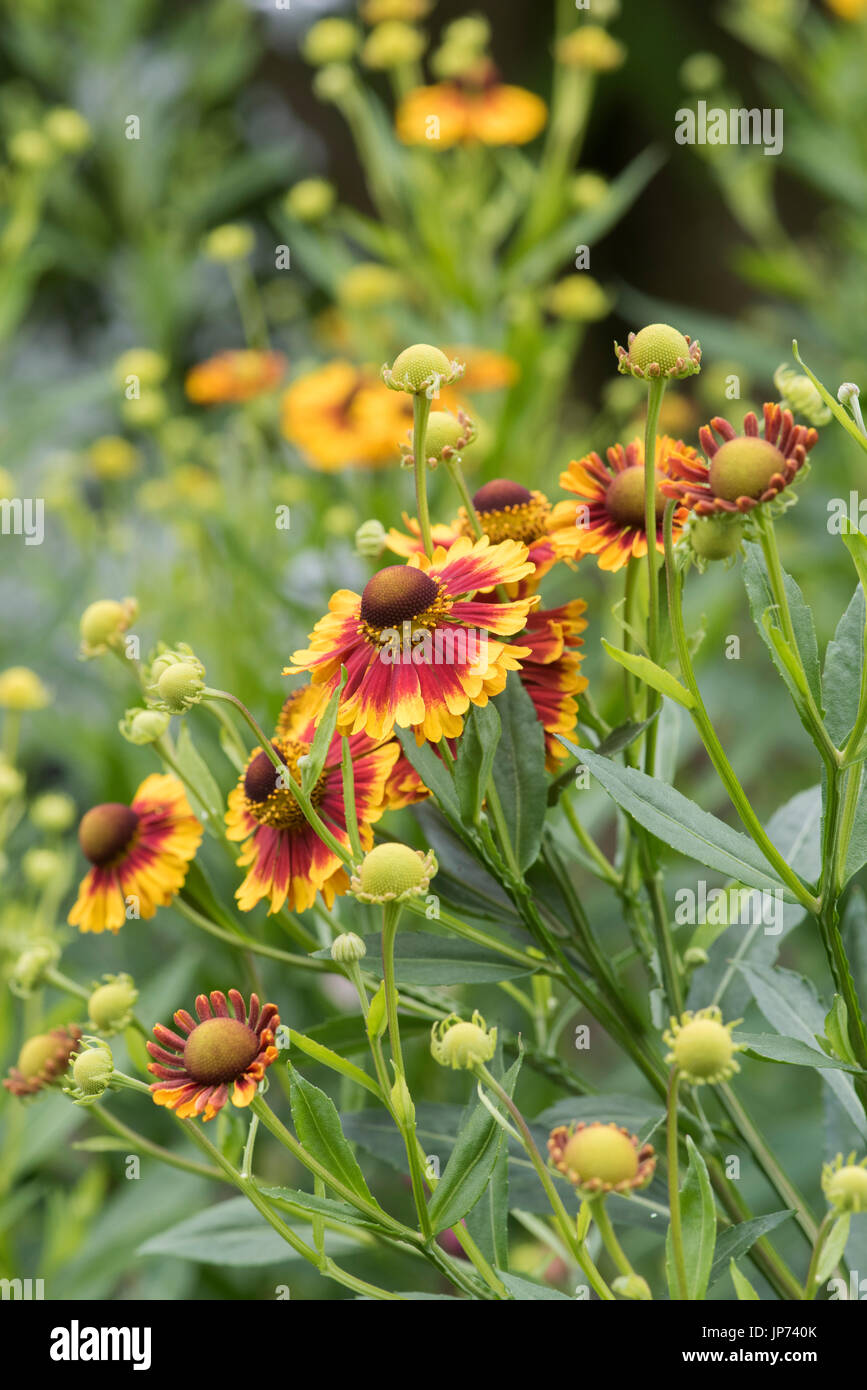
(674, 1185)
(420, 414)
(248, 943)
(565, 1223)
(349, 799)
(810, 1289)
(766, 1160)
(146, 1146)
(609, 1239)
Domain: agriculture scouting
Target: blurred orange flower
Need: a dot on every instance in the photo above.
(231, 377)
(340, 414)
(477, 106)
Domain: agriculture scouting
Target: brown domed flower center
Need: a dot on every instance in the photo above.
(509, 511)
(624, 499)
(220, 1049)
(106, 831)
(268, 801)
(744, 467)
(396, 595)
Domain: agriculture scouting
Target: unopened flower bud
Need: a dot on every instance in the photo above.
(103, 624)
(330, 41)
(180, 687)
(142, 726)
(11, 782)
(658, 351)
(68, 129)
(391, 45)
(28, 972)
(632, 1286)
(21, 689)
(370, 539)
(458, 1044)
(231, 242)
(111, 1003)
(42, 866)
(401, 1103)
(845, 1183)
(310, 200)
(92, 1070)
(393, 872)
(702, 1046)
(347, 948)
(422, 369)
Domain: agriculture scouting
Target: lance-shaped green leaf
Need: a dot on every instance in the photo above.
(519, 771)
(317, 1125)
(743, 1287)
(831, 402)
(678, 822)
(841, 677)
(312, 767)
(832, 1250)
(207, 799)
(773, 1047)
(319, 1053)
(762, 603)
(475, 758)
(433, 773)
(471, 1163)
(737, 1240)
(651, 674)
(698, 1220)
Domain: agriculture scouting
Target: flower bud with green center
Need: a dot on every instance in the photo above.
(141, 726)
(715, 538)
(461, 1045)
(330, 41)
(370, 539)
(67, 129)
(744, 467)
(446, 437)
(421, 369)
(111, 1004)
(231, 242)
(151, 368)
(591, 48)
(310, 200)
(52, 812)
(392, 873)
(31, 149)
(658, 351)
(702, 1046)
(11, 782)
(800, 395)
(42, 866)
(21, 689)
(92, 1071)
(392, 45)
(103, 624)
(578, 298)
(845, 1184)
(347, 948)
(600, 1158)
(28, 972)
(180, 687)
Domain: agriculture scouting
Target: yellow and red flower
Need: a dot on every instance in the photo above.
(551, 674)
(42, 1060)
(610, 516)
(474, 107)
(506, 511)
(139, 852)
(339, 416)
(744, 470)
(288, 863)
(232, 377)
(218, 1051)
(419, 649)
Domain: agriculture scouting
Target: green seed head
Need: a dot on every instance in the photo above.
(418, 367)
(110, 1005)
(600, 1153)
(460, 1045)
(393, 871)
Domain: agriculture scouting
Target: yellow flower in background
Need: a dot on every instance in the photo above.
(340, 415)
(591, 47)
(848, 9)
(7, 484)
(232, 377)
(369, 284)
(112, 457)
(477, 107)
(21, 689)
(579, 298)
(485, 370)
(379, 11)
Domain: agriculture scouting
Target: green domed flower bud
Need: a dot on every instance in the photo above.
(180, 687)
(21, 689)
(330, 41)
(42, 866)
(701, 72)
(401, 1103)
(694, 956)
(231, 242)
(392, 873)
(310, 200)
(632, 1286)
(446, 437)
(53, 812)
(92, 1070)
(347, 948)
(702, 1047)
(715, 537)
(600, 1158)
(334, 82)
(28, 972)
(744, 467)
(11, 782)
(31, 149)
(800, 395)
(579, 298)
(68, 129)
(111, 1004)
(151, 368)
(658, 351)
(370, 539)
(422, 369)
(592, 48)
(142, 726)
(845, 1183)
(461, 1045)
(103, 624)
(147, 411)
(392, 45)
(588, 190)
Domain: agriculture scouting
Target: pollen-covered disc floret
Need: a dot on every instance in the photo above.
(600, 1158)
(393, 872)
(743, 470)
(844, 1183)
(422, 370)
(198, 1064)
(658, 351)
(461, 1045)
(42, 1060)
(702, 1046)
